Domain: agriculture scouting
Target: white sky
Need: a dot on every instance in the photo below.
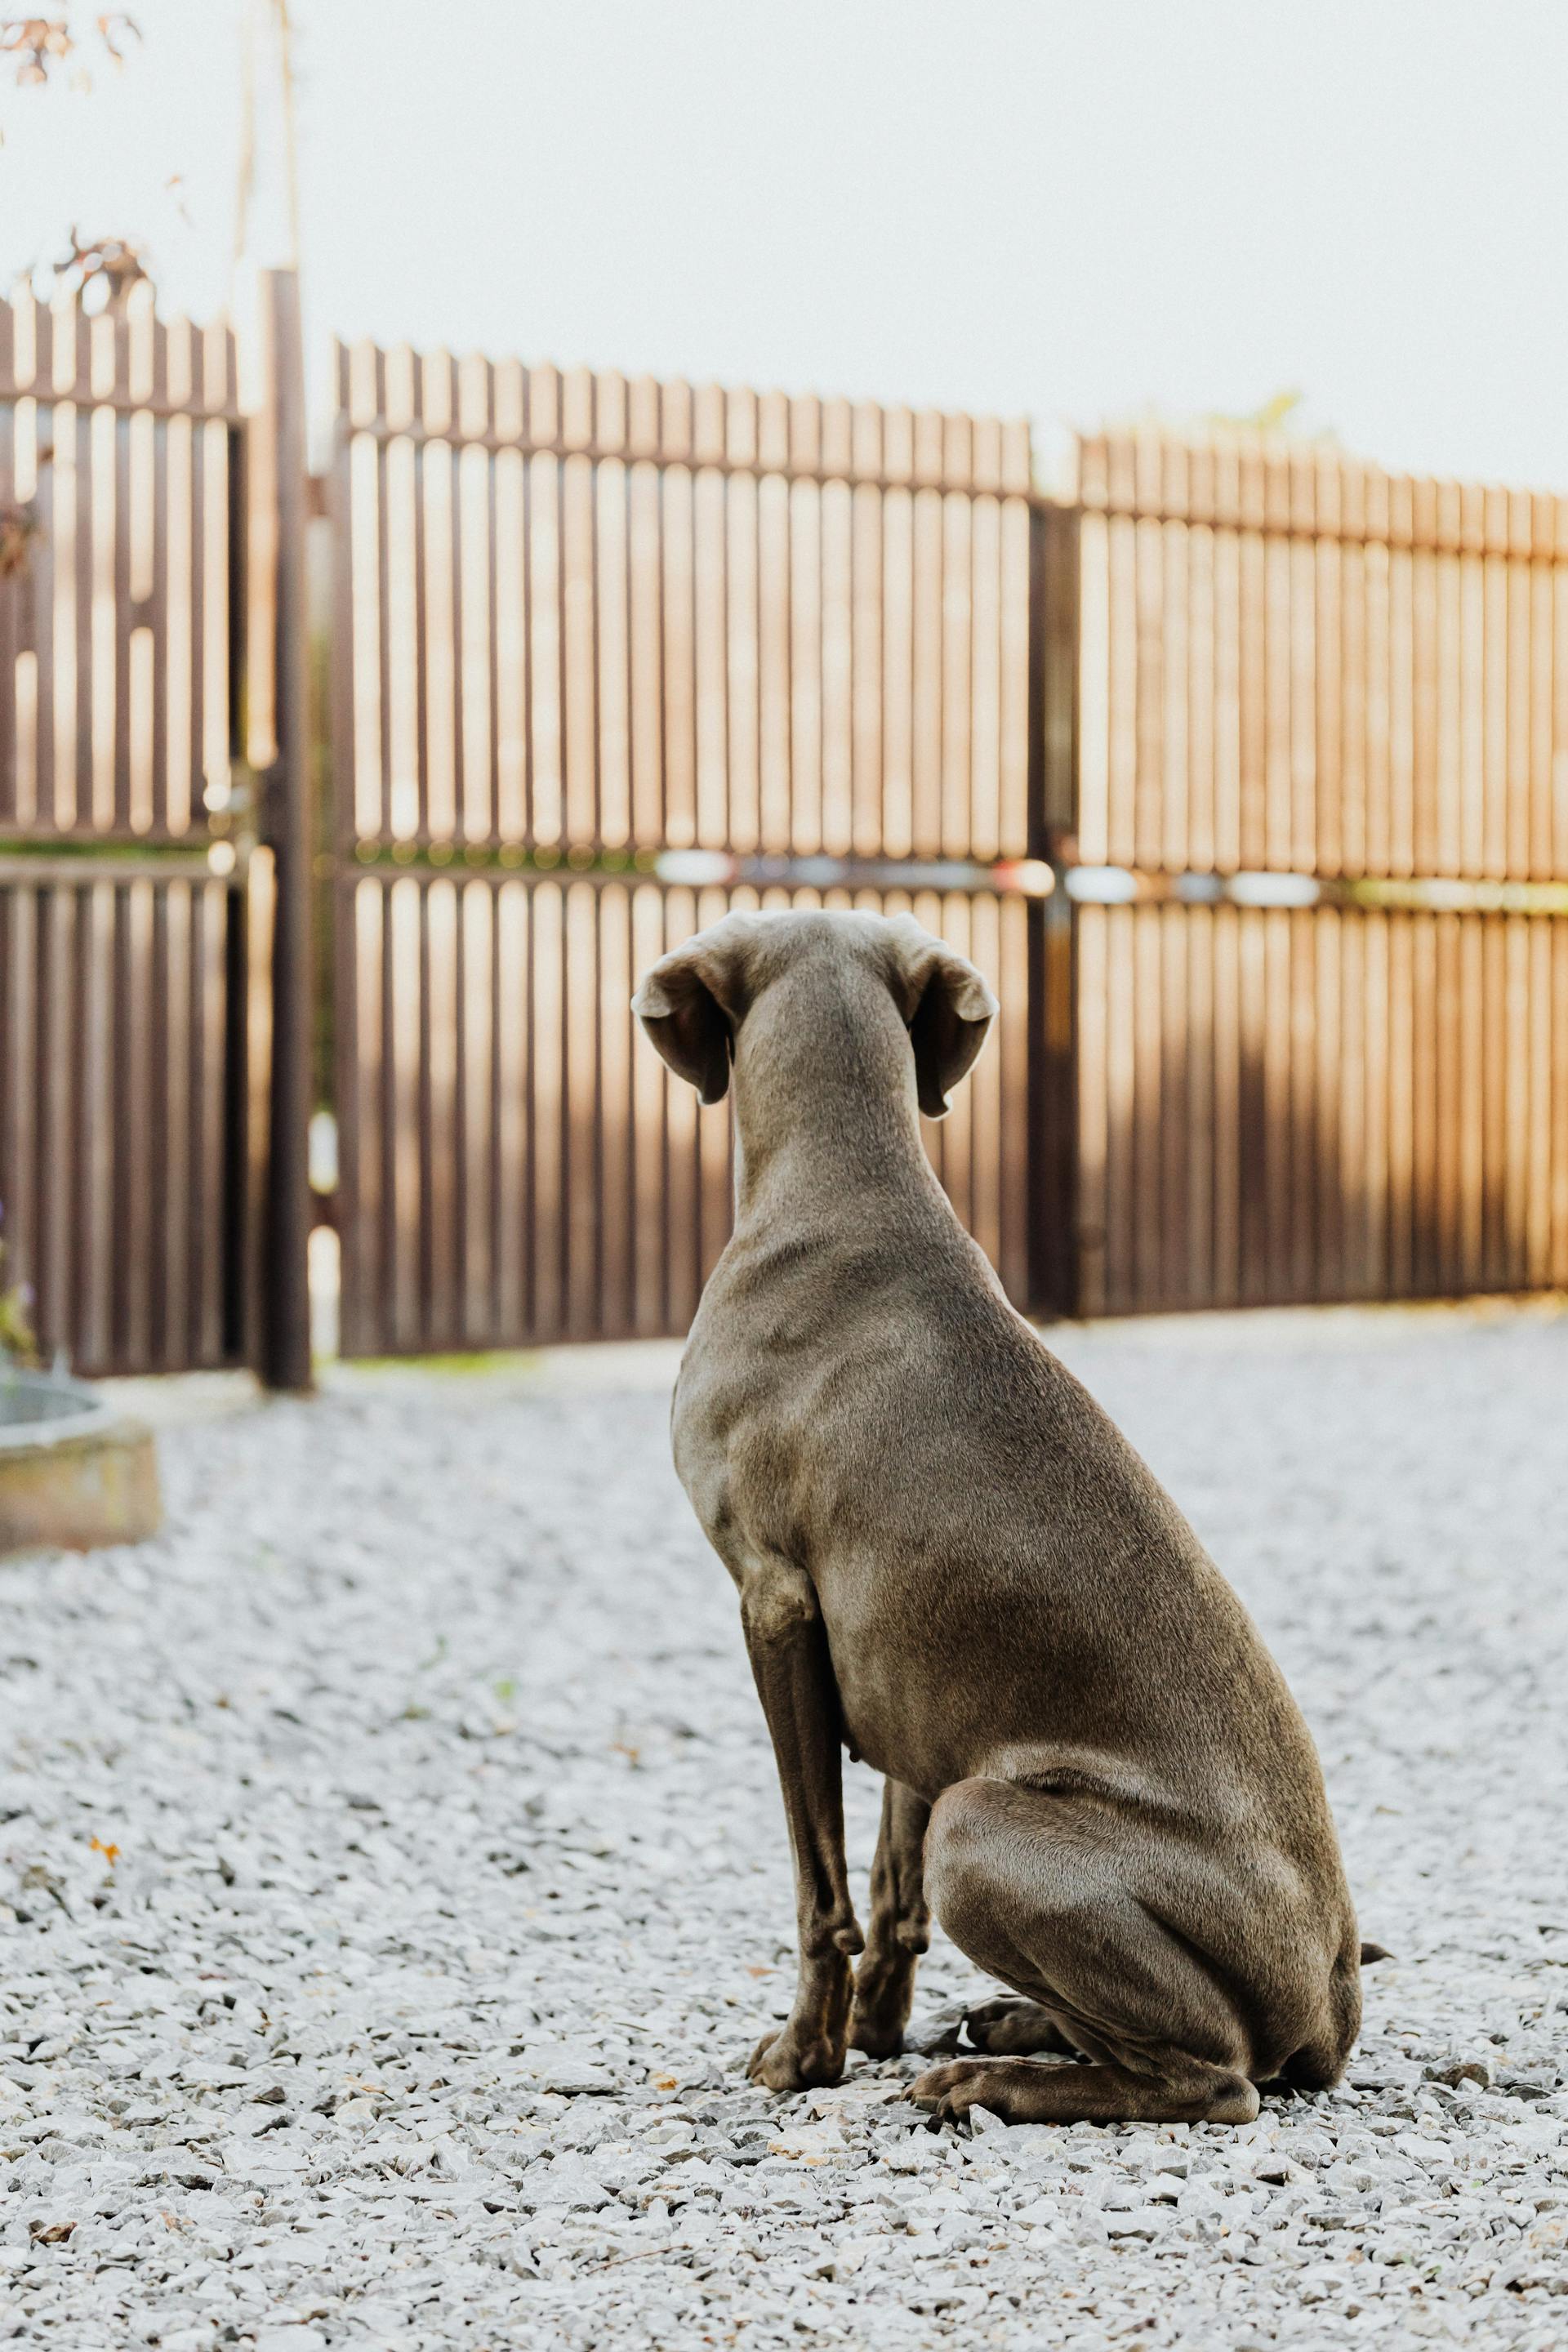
(1073, 208)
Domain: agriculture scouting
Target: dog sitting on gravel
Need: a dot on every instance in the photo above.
(951, 1561)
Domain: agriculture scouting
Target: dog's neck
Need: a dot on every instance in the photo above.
(825, 1100)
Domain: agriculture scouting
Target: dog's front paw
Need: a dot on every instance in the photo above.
(787, 2061)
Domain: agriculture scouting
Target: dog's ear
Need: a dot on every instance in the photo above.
(678, 1007)
(949, 1008)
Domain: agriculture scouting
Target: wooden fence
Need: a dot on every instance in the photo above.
(587, 625)
(1322, 755)
(1242, 773)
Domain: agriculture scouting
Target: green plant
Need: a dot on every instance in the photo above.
(18, 1343)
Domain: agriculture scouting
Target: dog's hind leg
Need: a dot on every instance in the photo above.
(900, 1927)
(1057, 1898)
(1043, 2091)
(788, 1647)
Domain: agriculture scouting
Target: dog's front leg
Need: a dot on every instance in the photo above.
(788, 1645)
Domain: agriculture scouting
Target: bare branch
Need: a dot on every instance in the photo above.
(36, 45)
(115, 263)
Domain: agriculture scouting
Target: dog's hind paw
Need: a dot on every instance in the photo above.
(951, 2090)
(1040, 2091)
(1014, 2028)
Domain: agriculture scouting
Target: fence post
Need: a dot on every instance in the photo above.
(1056, 1248)
(278, 730)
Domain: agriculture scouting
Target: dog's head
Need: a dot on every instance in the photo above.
(696, 1002)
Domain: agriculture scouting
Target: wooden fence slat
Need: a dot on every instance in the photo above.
(1168, 820)
(742, 650)
(838, 665)
(927, 731)
(509, 1111)
(680, 659)
(614, 682)
(1171, 1010)
(1275, 835)
(580, 815)
(776, 762)
(474, 573)
(804, 819)
(865, 621)
(1015, 818)
(1558, 1016)
(614, 979)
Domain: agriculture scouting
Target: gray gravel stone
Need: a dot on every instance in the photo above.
(394, 1881)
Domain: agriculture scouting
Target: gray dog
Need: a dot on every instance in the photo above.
(950, 1562)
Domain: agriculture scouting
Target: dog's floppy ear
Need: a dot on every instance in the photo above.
(949, 1008)
(681, 1015)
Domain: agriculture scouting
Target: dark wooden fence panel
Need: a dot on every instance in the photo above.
(1281, 1107)
(118, 1119)
(517, 1166)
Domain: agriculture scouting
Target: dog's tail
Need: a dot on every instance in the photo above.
(1371, 1952)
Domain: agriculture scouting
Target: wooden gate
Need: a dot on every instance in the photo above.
(122, 934)
(610, 658)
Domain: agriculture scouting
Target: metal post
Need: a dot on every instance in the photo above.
(1055, 1245)
(279, 517)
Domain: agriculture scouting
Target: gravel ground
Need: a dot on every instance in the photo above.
(396, 1881)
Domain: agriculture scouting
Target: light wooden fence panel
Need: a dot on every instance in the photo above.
(589, 613)
(118, 436)
(1293, 662)
(123, 975)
